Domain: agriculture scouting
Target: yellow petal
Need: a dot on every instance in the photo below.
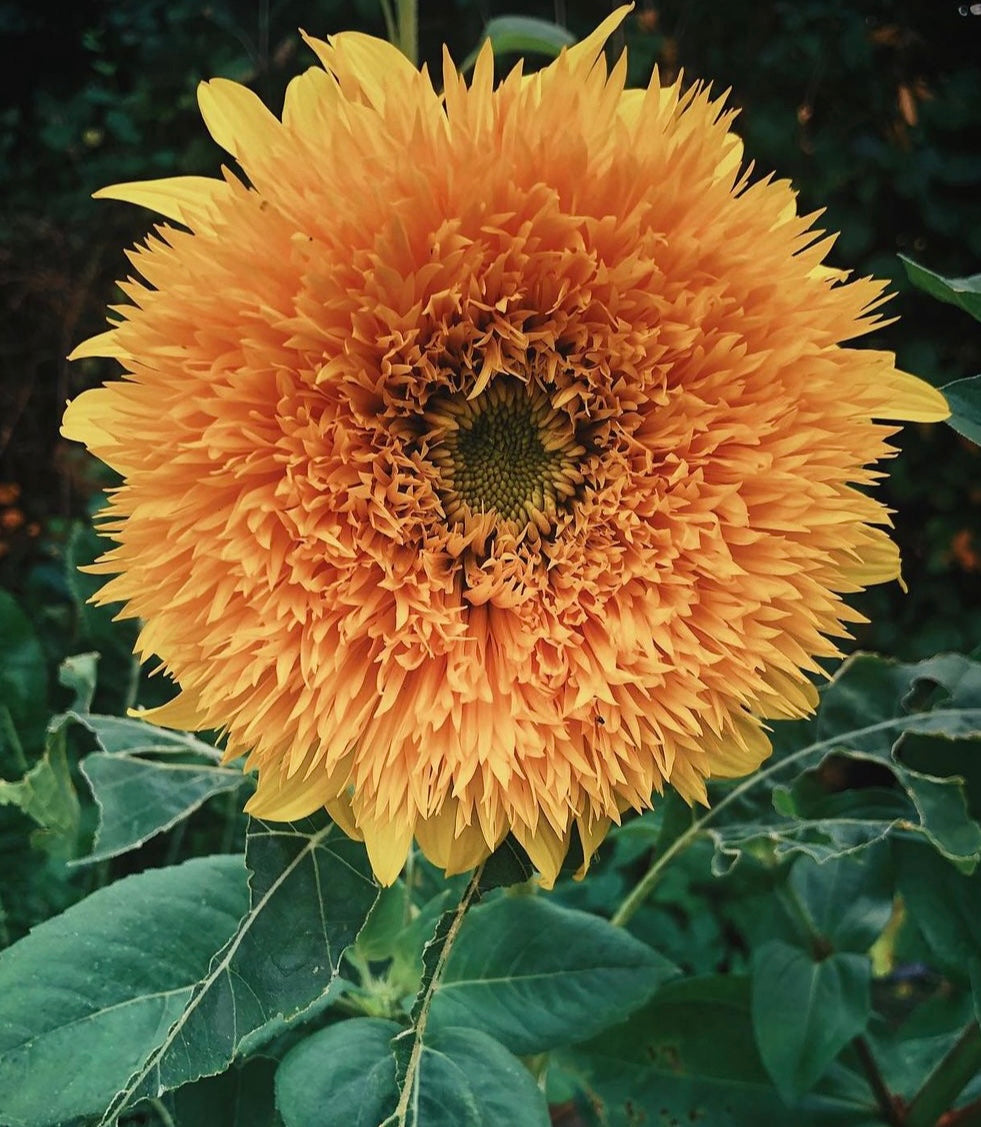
(79, 422)
(102, 344)
(387, 842)
(545, 847)
(186, 199)
(909, 398)
(342, 812)
(592, 831)
(732, 157)
(878, 559)
(236, 117)
(364, 65)
(278, 799)
(182, 712)
(585, 53)
(456, 852)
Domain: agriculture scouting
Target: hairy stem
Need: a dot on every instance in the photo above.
(388, 15)
(408, 30)
(944, 1084)
(424, 1001)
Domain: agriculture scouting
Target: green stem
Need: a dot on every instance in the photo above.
(945, 1083)
(646, 884)
(424, 1002)
(408, 30)
(166, 1119)
(887, 1102)
(389, 17)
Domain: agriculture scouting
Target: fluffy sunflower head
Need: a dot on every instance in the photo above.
(491, 457)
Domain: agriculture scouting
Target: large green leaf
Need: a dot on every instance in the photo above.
(965, 293)
(964, 397)
(848, 899)
(23, 679)
(311, 892)
(138, 797)
(944, 904)
(690, 1056)
(536, 975)
(805, 1010)
(101, 984)
(865, 713)
(146, 779)
(521, 35)
(345, 1074)
(342, 1074)
(47, 795)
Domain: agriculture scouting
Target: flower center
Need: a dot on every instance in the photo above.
(509, 450)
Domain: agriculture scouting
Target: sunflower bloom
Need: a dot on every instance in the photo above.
(491, 458)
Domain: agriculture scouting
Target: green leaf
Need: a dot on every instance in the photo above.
(467, 1079)
(311, 892)
(117, 735)
(849, 900)
(536, 975)
(138, 798)
(943, 903)
(78, 673)
(974, 968)
(865, 713)
(521, 35)
(964, 398)
(379, 938)
(962, 292)
(110, 974)
(690, 1056)
(23, 679)
(805, 1011)
(47, 795)
(345, 1074)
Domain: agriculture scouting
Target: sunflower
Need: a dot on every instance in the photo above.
(491, 459)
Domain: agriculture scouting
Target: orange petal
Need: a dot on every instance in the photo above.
(585, 53)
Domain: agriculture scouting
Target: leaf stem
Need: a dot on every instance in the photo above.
(408, 30)
(888, 1104)
(945, 1083)
(645, 885)
(967, 1116)
(425, 1000)
(166, 1119)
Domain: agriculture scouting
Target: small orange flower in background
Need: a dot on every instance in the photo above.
(490, 457)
